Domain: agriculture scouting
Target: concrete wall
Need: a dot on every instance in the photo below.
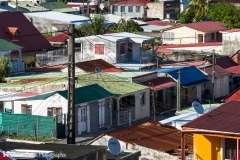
(127, 13)
(231, 42)
(155, 10)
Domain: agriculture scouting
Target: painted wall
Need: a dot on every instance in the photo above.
(206, 147)
(127, 13)
(155, 10)
(39, 107)
(231, 42)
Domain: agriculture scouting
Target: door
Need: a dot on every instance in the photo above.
(101, 114)
(82, 120)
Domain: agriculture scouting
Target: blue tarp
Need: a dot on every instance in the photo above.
(189, 76)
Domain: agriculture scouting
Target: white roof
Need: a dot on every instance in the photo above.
(150, 28)
(134, 37)
(65, 17)
(115, 19)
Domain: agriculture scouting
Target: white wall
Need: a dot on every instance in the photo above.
(39, 107)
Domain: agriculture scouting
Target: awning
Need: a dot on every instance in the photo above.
(189, 76)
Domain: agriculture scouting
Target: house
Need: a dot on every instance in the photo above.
(58, 40)
(14, 54)
(236, 57)
(188, 52)
(233, 68)
(19, 30)
(93, 107)
(27, 6)
(215, 133)
(144, 9)
(59, 7)
(130, 102)
(196, 32)
(52, 21)
(94, 66)
(117, 48)
(230, 41)
(189, 87)
(235, 95)
(153, 139)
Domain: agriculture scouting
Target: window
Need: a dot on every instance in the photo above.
(1, 106)
(130, 8)
(26, 109)
(54, 111)
(142, 98)
(130, 47)
(99, 49)
(116, 8)
(122, 48)
(212, 36)
(137, 8)
(122, 8)
(168, 36)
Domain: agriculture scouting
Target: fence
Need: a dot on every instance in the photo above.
(27, 125)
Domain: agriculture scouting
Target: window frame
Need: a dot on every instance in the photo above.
(27, 108)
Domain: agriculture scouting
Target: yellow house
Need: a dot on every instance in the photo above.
(216, 134)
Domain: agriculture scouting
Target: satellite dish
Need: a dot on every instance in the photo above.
(114, 146)
(198, 107)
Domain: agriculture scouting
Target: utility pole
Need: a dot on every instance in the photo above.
(213, 75)
(71, 87)
(179, 90)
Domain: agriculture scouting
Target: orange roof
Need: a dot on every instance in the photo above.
(12, 30)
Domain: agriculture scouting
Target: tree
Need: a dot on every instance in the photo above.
(225, 13)
(197, 9)
(4, 68)
(126, 26)
(95, 27)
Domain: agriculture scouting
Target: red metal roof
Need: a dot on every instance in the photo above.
(234, 69)
(47, 68)
(152, 134)
(158, 23)
(207, 26)
(225, 62)
(235, 95)
(219, 71)
(129, 2)
(90, 66)
(232, 30)
(27, 94)
(4, 156)
(159, 83)
(59, 38)
(27, 36)
(224, 118)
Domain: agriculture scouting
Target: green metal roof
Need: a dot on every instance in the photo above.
(82, 94)
(57, 6)
(6, 45)
(114, 84)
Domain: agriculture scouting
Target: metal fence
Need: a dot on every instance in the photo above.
(27, 125)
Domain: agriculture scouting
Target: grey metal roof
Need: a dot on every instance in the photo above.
(150, 28)
(68, 18)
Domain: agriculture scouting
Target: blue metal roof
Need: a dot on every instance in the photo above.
(189, 76)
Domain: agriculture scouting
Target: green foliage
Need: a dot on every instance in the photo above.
(225, 13)
(197, 9)
(94, 28)
(29, 61)
(126, 26)
(4, 68)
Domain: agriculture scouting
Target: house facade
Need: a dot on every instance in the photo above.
(94, 101)
(14, 54)
(116, 48)
(214, 134)
(196, 32)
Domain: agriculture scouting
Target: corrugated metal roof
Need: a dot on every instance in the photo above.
(190, 76)
(114, 84)
(219, 71)
(28, 6)
(224, 118)
(235, 95)
(57, 6)
(6, 45)
(153, 135)
(115, 19)
(150, 28)
(64, 17)
(160, 83)
(82, 95)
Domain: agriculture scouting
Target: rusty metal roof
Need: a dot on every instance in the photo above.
(160, 83)
(153, 135)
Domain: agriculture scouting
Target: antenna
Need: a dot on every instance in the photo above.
(198, 107)
(114, 146)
